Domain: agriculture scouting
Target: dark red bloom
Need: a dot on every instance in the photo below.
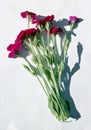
(31, 31)
(20, 36)
(44, 20)
(39, 21)
(24, 33)
(55, 30)
(26, 13)
(13, 48)
(49, 18)
(18, 42)
(73, 19)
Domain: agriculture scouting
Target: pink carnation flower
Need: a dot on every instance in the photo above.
(73, 19)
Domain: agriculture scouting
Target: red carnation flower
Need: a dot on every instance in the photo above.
(26, 13)
(20, 36)
(44, 20)
(13, 48)
(17, 45)
(24, 33)
(31, 31)
(49, 18)
(55, 30)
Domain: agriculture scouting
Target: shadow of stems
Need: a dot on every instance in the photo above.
(66, 80)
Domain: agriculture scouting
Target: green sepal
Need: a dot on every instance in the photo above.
(33, 70)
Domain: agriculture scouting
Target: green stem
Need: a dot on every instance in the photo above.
(42, 86)
(28, 18)
(59, 80)
(53, 76)
(47, 85)
(42, 39)
(59, 102)
(55, 45)
(36, 75)
(39, 67)
(54, 80)
(30, 65)
(48, 38)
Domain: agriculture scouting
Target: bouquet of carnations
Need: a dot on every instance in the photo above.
(45, 57)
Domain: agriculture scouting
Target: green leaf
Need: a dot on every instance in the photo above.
(48, 74)
(33, 70)
(27, 68)
(34, 59)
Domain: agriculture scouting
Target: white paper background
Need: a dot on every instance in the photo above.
(23, 104)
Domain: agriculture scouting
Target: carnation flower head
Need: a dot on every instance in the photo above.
(16, 47)
(13, 48)
(73, 19)
(40, 23)
(25, 33)
(27, 13)
(44, 20)
(55, 30)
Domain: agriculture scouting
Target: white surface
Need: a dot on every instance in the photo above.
(23, 104)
